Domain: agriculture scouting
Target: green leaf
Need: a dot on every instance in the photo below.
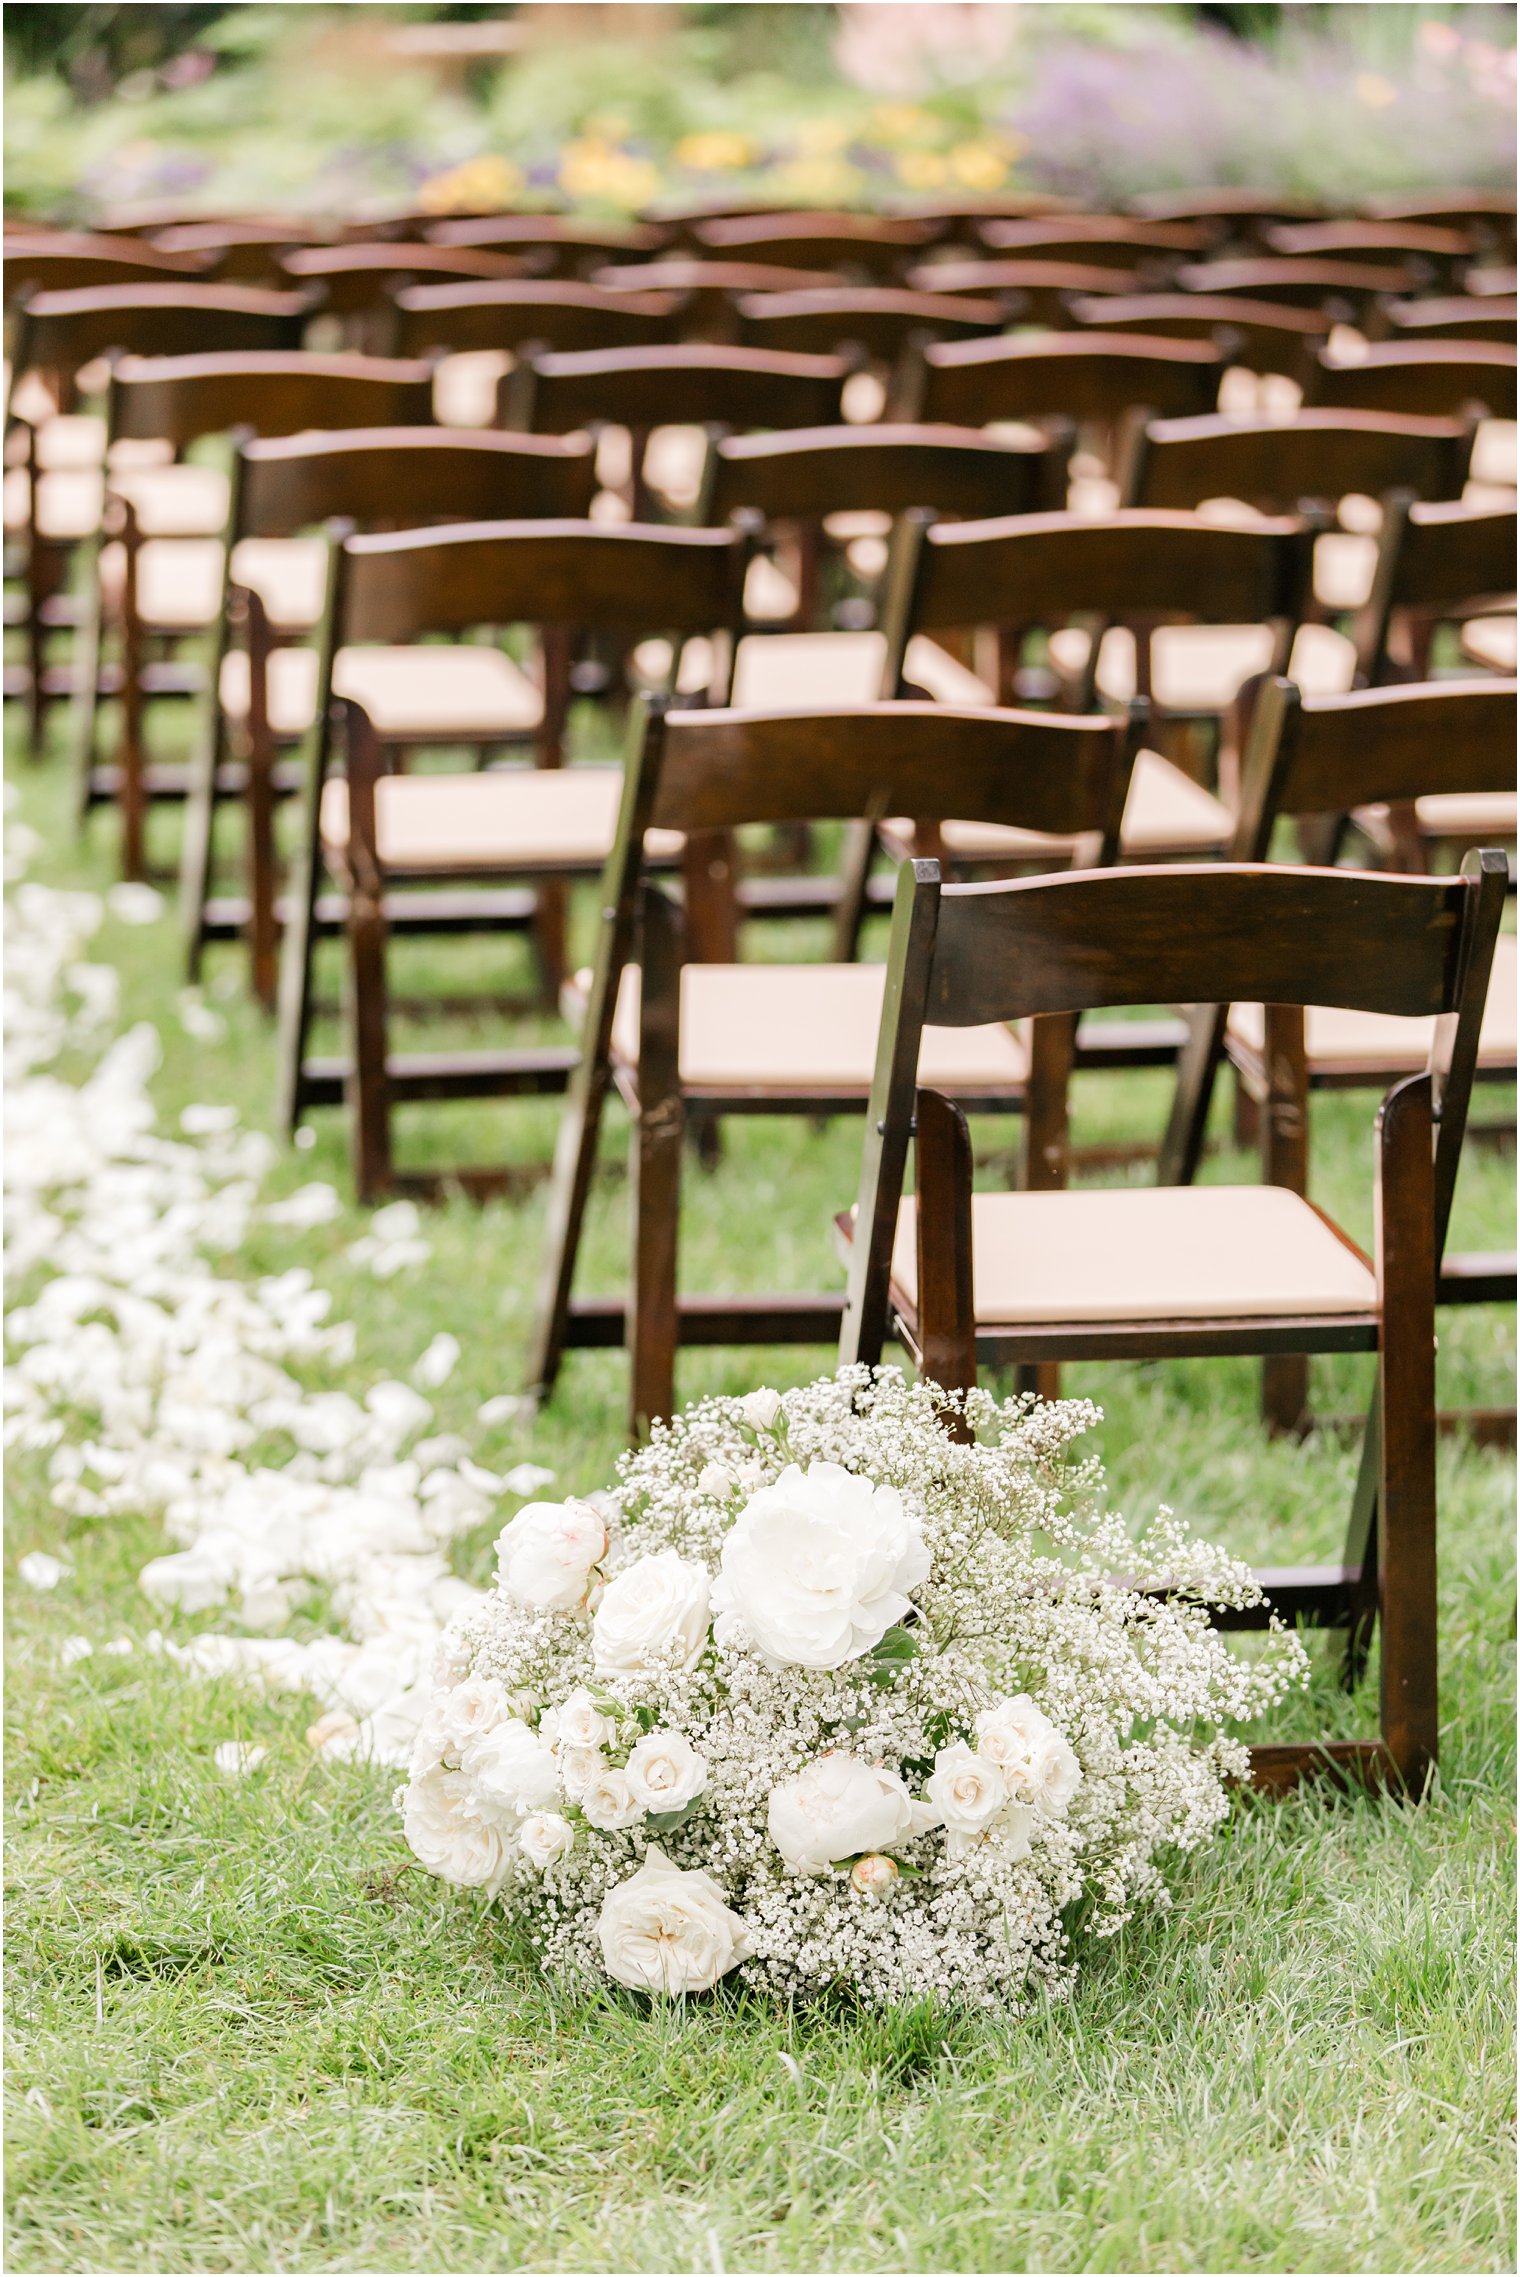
(666, 1822)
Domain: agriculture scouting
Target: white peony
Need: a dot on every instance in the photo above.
(579, 1723)
(817, 1566)
(610, 1803)
(668, 1931)
(655, 1611)
(760, 1409)
(665, 1772)
(1038, 1762)
(510, 1771)
(471, 1709)
(544, 1837)
(835, 1808)
(447, 1834)
(545, 1555)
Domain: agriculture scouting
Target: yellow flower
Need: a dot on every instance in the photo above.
(979, 165)
(715, 152)
(818, 181)
(1374, 91)
(591, 170)
(817, 138)
(479, 184)
(899, 120)
(922, 169)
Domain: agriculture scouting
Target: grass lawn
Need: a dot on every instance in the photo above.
(249, 2033)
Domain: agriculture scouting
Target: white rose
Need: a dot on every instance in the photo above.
(817, 1566)
(665, 1771)
(655, 1610)
(510, 1770)
(873, 1875)
(447, 1834)
(717, 1480)
(579, 1723)
(668, 1931)
(471, 1709)
(1037, 1761)
(610, 1802)
(578, 1766)
(544, 1837)
(760, 1409)
(836, 1807)
(968, 1791)
(545, 1554)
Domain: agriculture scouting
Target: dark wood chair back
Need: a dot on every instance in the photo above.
(1028, 292)
(1338, 285)
(814, 471)
(359, 279)
(1437, 562)
(514, 315)
(63, 331)
(1096, 377)
(623, 576)
(405, 477)
(1276, 464)
(1419, 243)
(692, 385)
(239, 252)
(1064, 945)
(1103, 241)
(180, 398)
(1225, 216)
(861, 322)
(67, 260)
(879, 244)
(1256, 334)
(556, 244)
(1459, 317)
(1439, 379)
(1486, 215)
(1136, 567)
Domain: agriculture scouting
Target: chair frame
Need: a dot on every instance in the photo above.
(1053, 948)
(707, 774)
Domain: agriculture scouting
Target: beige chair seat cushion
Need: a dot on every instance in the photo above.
(179, 581)
(413, 695)
(68, 502)
(777, 671)
(769, 594)
(1467, 814)
(1383, 1044)
(674, 461)
(1490, 641)
(1494, 456)
(806, 1029)
(522, 819)
(175, 501)
(169, 501)
(1344, 564)
(289, 576)
(1166, 814)
(1200, 668)
(1149, 1253)
(464, 387)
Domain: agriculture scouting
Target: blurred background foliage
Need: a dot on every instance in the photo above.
(324, 109)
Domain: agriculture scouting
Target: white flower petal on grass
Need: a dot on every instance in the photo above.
(202, 1120)
(73, 1649)
(311, 1205)
(524, 1478)
(39, 1569)
(200, 1023)
(134, 904)
(235, 1758)
(438, 1362)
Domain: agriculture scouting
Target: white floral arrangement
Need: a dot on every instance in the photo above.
(826, 1698)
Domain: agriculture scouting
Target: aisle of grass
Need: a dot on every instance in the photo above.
(247, 2034)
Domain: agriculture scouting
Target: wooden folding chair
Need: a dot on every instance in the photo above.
(1253, 334)
(874, 245)
(529, 314)
(1141, 1274)
(557, 244)
(265, 693)
(1316, 459)
(864, 324)
(1346, 289)
(1440, 564)
(1438, 379)
(61, 260)
(158, 587)
(1459, 317)
(1228, 218)
(379, 831)
(683, 1038)
(1029, 292)
(1432, 251)
(693, 386)
(1488, 216)
(358, 281)
(1445, 749)
(1092, 381)
(710, 290)
(55, 472)
(240, 252)
(1101, 241)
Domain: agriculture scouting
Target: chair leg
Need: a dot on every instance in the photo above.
(1285, 1162)
(368, 1086)
(196, 843)
(946, 1308)
(85, 694)
(569, 1192)
(655, 1183)
(1047, 1146)
(263, 873)
(132, 790)
(1407, 1433)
